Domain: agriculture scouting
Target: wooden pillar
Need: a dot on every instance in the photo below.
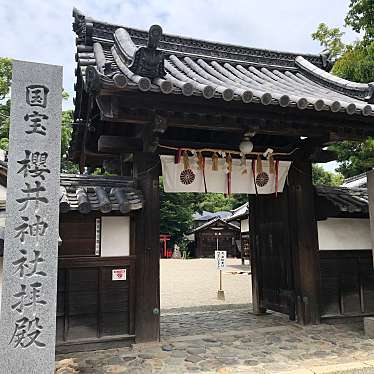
(255, 264)
(147, 231)
(304, 242)
(370, 184)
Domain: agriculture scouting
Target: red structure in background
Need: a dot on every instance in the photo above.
(164, 251)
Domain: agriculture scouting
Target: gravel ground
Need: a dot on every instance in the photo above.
(191, 283)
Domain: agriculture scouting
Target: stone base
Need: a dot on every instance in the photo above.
(369, 326)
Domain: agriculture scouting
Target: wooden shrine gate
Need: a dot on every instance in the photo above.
(143, 94)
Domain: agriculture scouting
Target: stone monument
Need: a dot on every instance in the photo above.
(28, 307)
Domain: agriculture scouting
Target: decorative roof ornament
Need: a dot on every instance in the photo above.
(148, 61)
(370, 97)
(327, 61)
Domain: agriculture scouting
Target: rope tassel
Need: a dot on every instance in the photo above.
(200, 161)
(254, 175)
(276, 177)
(215, 161)
(178, 154)
(271, 165)
(229, 162)
(259, 165)
(186, 161)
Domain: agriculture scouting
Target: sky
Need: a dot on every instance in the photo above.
(41, 30)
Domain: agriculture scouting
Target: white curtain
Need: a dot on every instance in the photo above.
(176, 179)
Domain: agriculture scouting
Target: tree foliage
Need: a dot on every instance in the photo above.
(361, 18)
(354, 157)
(177, 209)
(66, 120)
(5, 79)
(357, 63)
(354, 62)
(330, 39)
(322, 177)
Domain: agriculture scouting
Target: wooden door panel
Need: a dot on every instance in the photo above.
(90, 304)
(274, 255)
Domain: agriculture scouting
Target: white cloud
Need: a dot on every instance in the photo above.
(40, 30)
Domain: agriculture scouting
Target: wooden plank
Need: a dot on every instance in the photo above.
(304, 242)
(256, 270)
(347, 283)
(147, 318)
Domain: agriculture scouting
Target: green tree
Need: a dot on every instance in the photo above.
(5, 79)
(66, 120)
(354, 62)
(321, 177)
(330, 39)
(357, 63)
(216, 202)
(66, 132)
(354, 157)
(361, 18)
(176, 210)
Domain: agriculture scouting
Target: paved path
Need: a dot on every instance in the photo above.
(188, 283)
(1, 276)
(227, 341)
(234, 341)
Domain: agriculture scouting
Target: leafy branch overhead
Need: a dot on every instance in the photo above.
(354, 62)
(330, 40)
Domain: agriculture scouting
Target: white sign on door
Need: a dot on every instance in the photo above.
(118, 274)
(220, 257)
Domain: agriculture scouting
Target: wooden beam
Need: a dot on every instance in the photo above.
(147, 231)
(181, 104)
(322, 156)
(119, 144)
(262, 122)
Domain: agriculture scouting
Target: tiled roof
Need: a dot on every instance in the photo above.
(86, 193)
(347, 200)
(193, 67)
(213, 221)
(239, 213)
(359, 180)
(207, 216)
